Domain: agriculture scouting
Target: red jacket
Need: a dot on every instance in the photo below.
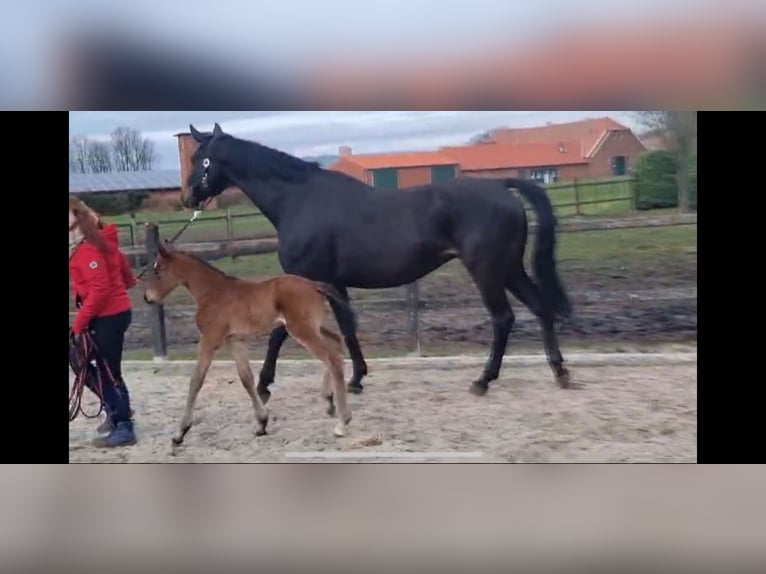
(100, 279)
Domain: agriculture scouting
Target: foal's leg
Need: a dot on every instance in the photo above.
(268, 369)
(527, 292)
(491, 286)
(309, 336)
(354, 350)
(239, 351)
(204, 358)
(327, 391)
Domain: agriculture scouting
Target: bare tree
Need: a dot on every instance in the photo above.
(484, 137)
(679, 130)
(78, 154)
(131, 151)
(99, 157)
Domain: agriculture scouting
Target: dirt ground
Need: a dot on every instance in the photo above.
(626, 411)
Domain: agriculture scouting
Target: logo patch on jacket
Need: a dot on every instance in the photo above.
(93, 264)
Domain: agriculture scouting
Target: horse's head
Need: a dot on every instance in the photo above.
(165, 277)
(208, 177)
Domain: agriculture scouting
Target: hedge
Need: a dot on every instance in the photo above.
(656, 182)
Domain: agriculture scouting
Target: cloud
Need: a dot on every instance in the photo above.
(318, 133)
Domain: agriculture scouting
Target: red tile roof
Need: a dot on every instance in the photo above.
(589, 132)
(395, 160)
(506, 156)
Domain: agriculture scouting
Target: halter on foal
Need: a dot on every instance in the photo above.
(231, 310)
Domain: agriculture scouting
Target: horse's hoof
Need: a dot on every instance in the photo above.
(264, 394)
(355, 389)
(339, 431)
(260, 432)
(177, 441)
(564, 380)
(479, 389)
(331, 410)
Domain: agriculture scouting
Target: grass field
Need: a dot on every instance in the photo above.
(613, 197)
(583, 250)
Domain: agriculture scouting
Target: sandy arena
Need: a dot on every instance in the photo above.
(631, 408)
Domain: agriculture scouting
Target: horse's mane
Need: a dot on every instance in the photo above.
(265, 163)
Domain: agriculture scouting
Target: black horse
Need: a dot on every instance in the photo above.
(338, 230)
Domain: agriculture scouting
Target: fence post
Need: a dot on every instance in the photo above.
(633, 195)
(577, 197)
(413, 307)
(157, 312)
(229, 226)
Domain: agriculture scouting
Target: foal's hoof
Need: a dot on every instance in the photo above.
(564, 379)
(479, 388)
(355, 389)
(177, 441)
(331, 410)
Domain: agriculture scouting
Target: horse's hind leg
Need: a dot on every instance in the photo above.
(268, 369)
(204, 358)
(354, 349)
(527, 292)
(492, 290)
(239, 351)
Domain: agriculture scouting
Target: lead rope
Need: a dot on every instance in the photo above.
(86, 351)
(196, 214)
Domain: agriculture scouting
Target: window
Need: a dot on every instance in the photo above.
(545, 175)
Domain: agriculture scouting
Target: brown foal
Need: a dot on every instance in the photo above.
(232, 310)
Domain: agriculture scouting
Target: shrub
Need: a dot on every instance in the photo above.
(656, 185)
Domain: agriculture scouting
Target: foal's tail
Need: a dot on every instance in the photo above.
(343, 312)
(544, 264)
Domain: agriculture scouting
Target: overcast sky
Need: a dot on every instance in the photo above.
(320, 133)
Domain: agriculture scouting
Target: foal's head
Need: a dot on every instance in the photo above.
(208, 177)
(168, 275)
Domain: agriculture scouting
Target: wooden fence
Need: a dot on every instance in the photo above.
(605, 197)
(146, 251)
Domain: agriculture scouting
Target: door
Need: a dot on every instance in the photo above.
(385, 178)
(619, 165)
(442, 173)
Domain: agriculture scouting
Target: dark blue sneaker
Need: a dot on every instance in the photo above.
(121, 435)
(108, 426)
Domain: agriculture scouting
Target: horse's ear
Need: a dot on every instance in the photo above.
(217, 131)
(163, 249)
(198, 137)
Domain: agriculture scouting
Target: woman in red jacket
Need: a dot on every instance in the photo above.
(101, 277)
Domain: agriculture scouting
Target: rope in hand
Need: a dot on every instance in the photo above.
(196, 214)
(81, 353)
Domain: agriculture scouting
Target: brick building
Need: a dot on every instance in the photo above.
(605, 147)
(545, 162)
(588, 149)
(397, 170)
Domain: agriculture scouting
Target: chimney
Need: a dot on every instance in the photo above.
(186, 147)
(344, 150)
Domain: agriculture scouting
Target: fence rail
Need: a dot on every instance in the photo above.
(570, 200)
(412, 302)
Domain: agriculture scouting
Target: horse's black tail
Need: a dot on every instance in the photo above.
(544, 263)
(343, 312)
